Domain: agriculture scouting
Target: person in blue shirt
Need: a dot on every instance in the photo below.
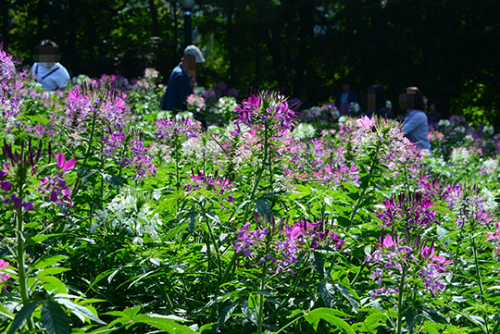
(415, 125)
(345, 96)
(182, 81)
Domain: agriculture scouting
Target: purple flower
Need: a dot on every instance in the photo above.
(6, 185)
(62, 164)
(17, 201)
(28, 206)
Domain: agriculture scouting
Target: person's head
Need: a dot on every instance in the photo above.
(376, 97)
(411, 98)
(433, 107)
(345, 85)
(47, 53)
(192, 61)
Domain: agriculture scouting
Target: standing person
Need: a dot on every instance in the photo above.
(182, 81)
(415, 125)
(345, 96)
(48, 72)
(434, 115)
(376, 102)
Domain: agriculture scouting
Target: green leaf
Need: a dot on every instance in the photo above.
(192, 222)
(319, 264)
(22, 315)
(132, 312)
(41, 238)
(434, 316)
(53, 284)
(80, 310)
(327, 292)
(263, 208)
(349, 294)
(49, 261)
(51, 271)
(112, 179)
(205, 328)
(100, 277)
(224, 315)
(5, 312)
(54, 319)
(412, 319)
(431, 329)
(164, 324)
(316, 315)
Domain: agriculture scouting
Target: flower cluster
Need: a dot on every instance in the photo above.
(129, 211)
(56, 186)
(267, 108)
(195, 103)
(169, 129)
(281, 248)
(495, 237)
(394, 258)
(413, 209)
(220, 186)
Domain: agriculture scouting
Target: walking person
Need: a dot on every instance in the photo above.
(415, 125)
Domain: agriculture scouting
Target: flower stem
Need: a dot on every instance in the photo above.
(400, 301)
(363, 191)
(23, 284)
(479, 282)
(259, 175)
(261, 299)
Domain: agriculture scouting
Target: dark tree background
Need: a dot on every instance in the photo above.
(450, 49)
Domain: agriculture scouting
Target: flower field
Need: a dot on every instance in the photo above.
(118, 217)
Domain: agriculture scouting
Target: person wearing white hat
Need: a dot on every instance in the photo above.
(182, 81)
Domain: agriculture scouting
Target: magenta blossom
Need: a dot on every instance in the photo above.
(62, 164)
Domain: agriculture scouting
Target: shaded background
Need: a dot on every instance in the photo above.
(450, 49)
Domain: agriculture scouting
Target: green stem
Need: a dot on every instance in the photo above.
(290, 323)
(479, 282)
(23, 284)
(400, 301)
(358, 273)
(370, 175)
(261, 299)
(259, 176)
(91, 139)
(216, 246)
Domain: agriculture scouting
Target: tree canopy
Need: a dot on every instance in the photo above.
(449, 49)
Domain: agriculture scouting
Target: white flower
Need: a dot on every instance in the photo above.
(489, 203)
(490, 166)
(488, 130)
(303, 131)
(444, 122)
(343, 119)
(460, 129)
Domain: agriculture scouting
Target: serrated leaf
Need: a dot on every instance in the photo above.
(54, 319)
(22, 315)
(326, 314)
(263, 208)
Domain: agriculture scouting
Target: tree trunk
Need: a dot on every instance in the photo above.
(40, 20)
(154, 15)
(5, 25)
